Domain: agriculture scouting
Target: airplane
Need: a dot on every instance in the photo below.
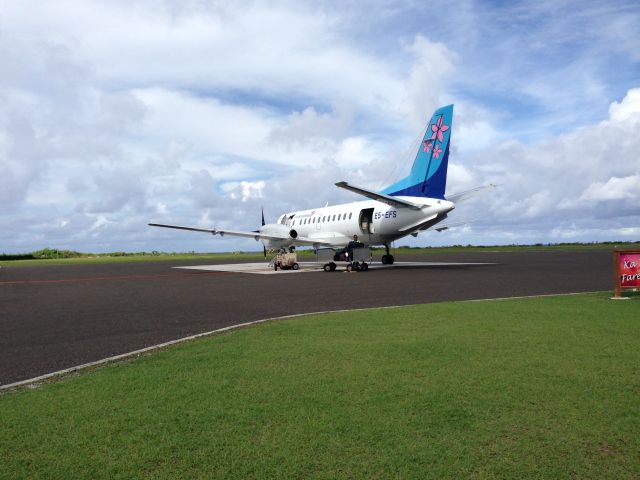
(411, 205)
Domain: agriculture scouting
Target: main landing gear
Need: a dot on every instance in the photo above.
(388, 258)
(329, 267)
(357, 267)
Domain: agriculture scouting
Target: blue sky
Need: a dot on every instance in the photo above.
(114, 114)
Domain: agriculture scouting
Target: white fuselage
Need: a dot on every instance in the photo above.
(375, 222)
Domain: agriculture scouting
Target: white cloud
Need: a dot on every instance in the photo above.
(585, 181)
(628, 109)
(276, 50)
(627, 188)
(434, 62)
(244, 191)
(309, 125)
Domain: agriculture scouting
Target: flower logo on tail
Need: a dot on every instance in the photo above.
(437, 151)
(427, 145)
(438, 129)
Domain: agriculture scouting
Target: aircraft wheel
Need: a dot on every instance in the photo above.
(364, 267)
(327, 267)
(333, 266)
(385, 259)
(296, 266)
(390, 260)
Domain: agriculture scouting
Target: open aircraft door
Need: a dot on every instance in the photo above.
(365, 221)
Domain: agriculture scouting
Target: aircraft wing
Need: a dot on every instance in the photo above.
(213, 231)
(388, 199)
(464, 196)
(255, 235)
(178, 227)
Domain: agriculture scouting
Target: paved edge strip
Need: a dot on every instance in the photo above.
(159, 346)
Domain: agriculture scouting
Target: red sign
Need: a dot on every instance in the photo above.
(629, 269)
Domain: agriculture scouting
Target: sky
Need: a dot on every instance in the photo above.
(114, 114)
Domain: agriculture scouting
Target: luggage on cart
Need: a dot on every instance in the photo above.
(286, 261)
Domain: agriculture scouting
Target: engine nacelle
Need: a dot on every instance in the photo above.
(287, 235)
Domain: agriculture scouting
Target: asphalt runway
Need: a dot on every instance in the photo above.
(56, 317)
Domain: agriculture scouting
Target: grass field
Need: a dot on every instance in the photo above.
(121, 257)
(95, 259)
(534, 388)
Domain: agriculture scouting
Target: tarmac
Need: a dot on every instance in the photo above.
(56, 317)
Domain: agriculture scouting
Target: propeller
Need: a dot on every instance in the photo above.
(264, 249)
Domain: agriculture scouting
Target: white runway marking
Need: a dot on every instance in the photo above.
(264, 269)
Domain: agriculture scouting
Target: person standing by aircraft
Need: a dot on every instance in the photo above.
(353, 244)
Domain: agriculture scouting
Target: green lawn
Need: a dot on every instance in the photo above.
(91, 259)
(534, 388)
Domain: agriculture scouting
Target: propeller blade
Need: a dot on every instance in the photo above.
(264, 248)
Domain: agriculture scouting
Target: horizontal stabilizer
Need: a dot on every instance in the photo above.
(474, 192)
(448, 226)
(381, 197)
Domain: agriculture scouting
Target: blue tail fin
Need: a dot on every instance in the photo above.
(428, 177)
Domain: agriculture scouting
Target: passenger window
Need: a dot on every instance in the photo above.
(334, 218)
(350, 215)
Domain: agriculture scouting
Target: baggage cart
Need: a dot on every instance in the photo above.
(358, 261)
(286, 261)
